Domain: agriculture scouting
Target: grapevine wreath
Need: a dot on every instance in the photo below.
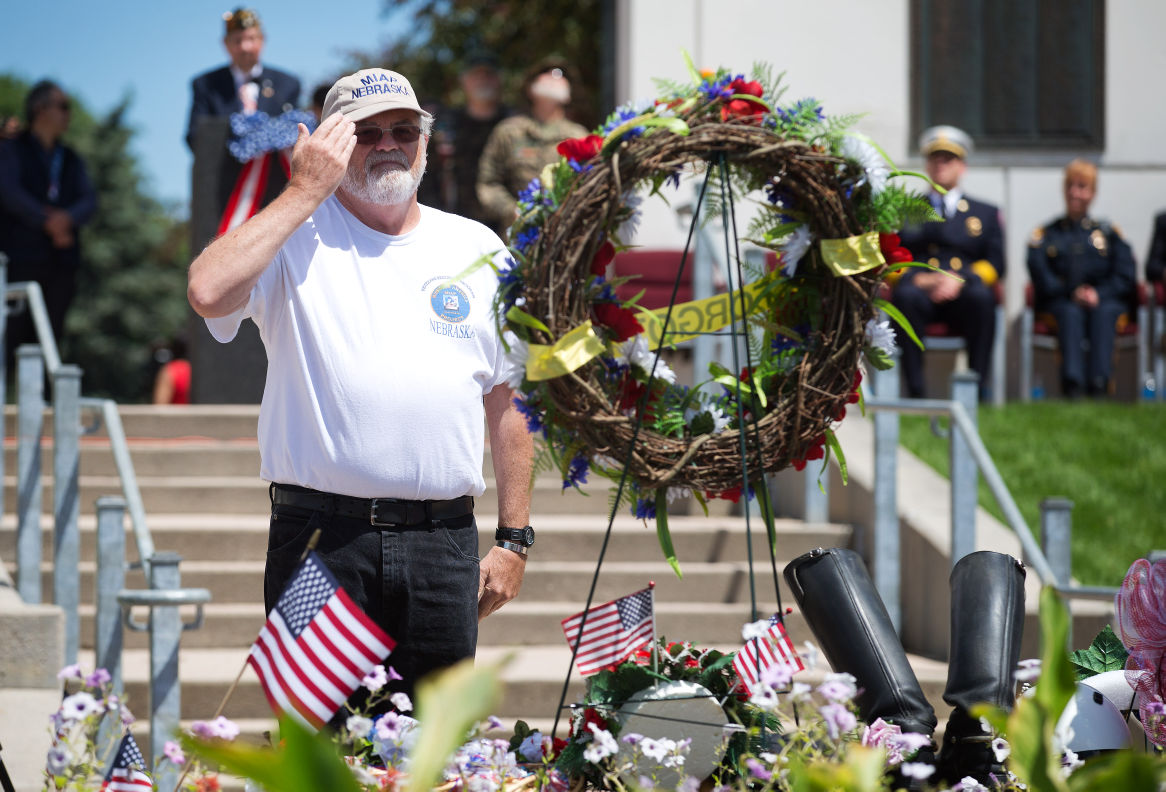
(585, 372)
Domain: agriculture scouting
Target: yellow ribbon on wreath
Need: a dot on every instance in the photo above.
(700, 317)
(852, 255)
(544, 362)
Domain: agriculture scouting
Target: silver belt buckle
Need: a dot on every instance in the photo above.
(372, 514)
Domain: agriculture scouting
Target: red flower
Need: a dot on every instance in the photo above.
(630, 393)
(580, 149)
(893, 250)
(591, 715)
(816, 451)
(853, 397)
(603, 257)
(732, 494)
(743, 108)
(621, 321)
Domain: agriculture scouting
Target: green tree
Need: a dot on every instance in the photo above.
(131, 291)
(442, 33)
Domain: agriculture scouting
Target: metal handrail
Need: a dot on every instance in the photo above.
(30, 292)
(1034, 554)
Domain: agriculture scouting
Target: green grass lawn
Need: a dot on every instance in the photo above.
(1108, 459)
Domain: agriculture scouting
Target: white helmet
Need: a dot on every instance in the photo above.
(1114, 686)
(1091, 723)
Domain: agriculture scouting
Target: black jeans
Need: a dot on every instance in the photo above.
(419, 583)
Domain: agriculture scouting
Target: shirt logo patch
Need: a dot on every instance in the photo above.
(450, 303)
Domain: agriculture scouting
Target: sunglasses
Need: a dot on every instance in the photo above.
(402, 133)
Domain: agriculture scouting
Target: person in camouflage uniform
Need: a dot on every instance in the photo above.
(521, 146)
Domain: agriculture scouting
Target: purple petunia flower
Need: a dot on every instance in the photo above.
(576, 472)
(758, 770)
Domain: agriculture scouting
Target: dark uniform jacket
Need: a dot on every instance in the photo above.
(1065, 254)
(1156, 263)
(970, 243)
(215, 95)
(26, 176)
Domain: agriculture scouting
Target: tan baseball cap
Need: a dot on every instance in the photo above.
(368, 92)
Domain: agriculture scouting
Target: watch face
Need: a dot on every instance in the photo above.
(528, 536)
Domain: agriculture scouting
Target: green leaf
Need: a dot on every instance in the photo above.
(449, 702)
(1106, 653)
(662, 532)
(693, 72)
(481, 261)
(900, 320)
(836, 449)
(878, 358)
(306, 762)
(519, 316)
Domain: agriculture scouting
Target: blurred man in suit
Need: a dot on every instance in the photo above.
(244, 85)
(967, 247)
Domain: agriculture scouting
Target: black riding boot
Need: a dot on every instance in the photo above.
(847, 616)
(987, 619)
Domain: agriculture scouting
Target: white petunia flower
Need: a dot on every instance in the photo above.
(880, 335)
(872, 162)
(794, 248)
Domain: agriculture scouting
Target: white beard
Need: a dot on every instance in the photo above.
(390, 188)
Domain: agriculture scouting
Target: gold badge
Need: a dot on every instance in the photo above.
(1051, 251)
(956, 264)
(975, 226)
(1038, 235)
(933, 261)
(1098, 240)
(962, 206)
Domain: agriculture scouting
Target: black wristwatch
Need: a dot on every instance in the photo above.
(517, 540)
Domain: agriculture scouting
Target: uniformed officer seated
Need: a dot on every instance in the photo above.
(967, 246)
(1083, 274)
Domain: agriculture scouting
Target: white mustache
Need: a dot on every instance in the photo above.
(377, 157)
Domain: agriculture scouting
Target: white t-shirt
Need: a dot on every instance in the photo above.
(376, 371)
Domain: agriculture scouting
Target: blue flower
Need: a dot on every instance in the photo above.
(576, 472)
(804, 111)
(259, 133)
(529, 194)
(674, 179)
(622, 114)
(533, 416)
(526, 238)
(606, 293)
(613, 369)
(718, 89)
(645, 509)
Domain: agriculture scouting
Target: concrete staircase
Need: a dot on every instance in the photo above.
(197, 468)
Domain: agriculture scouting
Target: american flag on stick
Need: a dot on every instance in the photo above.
(760, 653)
(316, 646)
(126, 772)
(612, 631)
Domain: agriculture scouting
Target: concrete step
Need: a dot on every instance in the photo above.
(571, 537)
(532, 680)
(219, 421)
(521, 622)
(247, 494)
(158, 457)
(546, 581)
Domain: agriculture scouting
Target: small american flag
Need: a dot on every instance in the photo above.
(126, 773)
(612, 631)
(760, 653)
(315, 647)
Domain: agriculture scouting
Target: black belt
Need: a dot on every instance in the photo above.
(378, 511)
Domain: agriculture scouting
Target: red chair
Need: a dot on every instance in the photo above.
(1039, 331)
(657, 276)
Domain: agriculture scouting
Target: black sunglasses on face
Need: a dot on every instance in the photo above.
(402, 133)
